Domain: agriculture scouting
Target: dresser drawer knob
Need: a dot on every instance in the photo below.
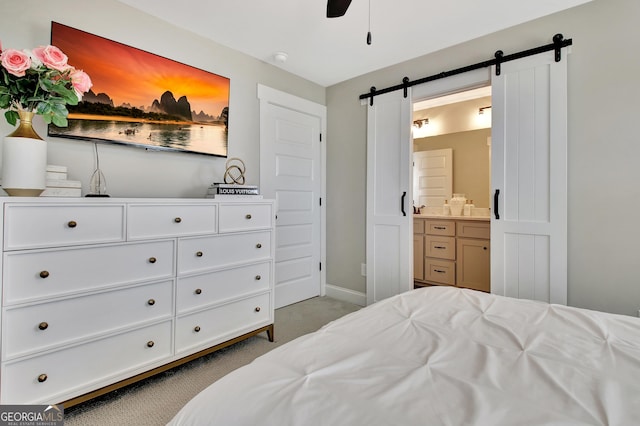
(258, 245)
(198, 291)
(42, 378)
(257, 309)
(258, 277)
(177, 220)
(44, 274)
(72, 224)
(151, 302)
(197, 329)
(43, 325)
(248, 216)
(150, 343)
(152, 260)
(199, 254)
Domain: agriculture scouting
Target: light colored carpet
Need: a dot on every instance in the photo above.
(156, 400)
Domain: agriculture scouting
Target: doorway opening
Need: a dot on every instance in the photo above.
(451, 152)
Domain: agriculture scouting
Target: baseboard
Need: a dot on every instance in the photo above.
(346, 295)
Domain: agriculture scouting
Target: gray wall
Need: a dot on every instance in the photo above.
(133, 172)
(604, 71)
(604, 150)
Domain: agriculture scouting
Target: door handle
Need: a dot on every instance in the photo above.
(404, 194)
(495, 203)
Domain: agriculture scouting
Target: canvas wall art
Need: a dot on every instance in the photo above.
(143, 99)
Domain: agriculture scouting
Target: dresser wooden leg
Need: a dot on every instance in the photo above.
(270, 333)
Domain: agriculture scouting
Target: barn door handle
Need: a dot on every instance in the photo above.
(404, 194)
(495, 203)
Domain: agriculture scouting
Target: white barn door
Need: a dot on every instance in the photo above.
(291, 171)
(389, 211)
(529, 179)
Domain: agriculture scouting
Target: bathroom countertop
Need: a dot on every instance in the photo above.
(435, 216)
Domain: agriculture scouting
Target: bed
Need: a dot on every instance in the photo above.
(440, 356)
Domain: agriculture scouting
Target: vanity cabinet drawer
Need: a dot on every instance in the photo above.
(27, 226)
(440, 247)
(54, 323)
(55, 376)
(440, 227)
(474, 229)
(208, 327)
(153, 221)
(40, 275)
(244, 217)
(214, 287)
(202, 253)
(440, 271)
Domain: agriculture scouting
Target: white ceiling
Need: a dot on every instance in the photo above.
(328, 51)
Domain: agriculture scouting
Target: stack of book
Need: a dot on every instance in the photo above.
(225, 190)
(58, 185)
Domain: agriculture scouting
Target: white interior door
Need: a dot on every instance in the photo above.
(291, 172)
(389, 212)
(529, 169)
(432, 177)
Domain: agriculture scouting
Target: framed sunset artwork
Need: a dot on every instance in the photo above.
(142, 99)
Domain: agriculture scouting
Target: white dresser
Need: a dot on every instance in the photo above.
(99, 293)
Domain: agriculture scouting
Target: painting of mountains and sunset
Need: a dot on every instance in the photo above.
(142, 99)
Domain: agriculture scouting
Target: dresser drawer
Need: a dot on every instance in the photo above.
(440, 227)
(440, 247)
(41, 326)
(214, 287)
(206, 328)
(199, 254)
(440, 271)
(474, 229)
(63, 374)
(39, 275)
(34, 226)
(244, 217)
(169, 220)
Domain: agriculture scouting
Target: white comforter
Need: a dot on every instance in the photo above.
(440, 356)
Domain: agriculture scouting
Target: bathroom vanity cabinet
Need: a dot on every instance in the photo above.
(452, 251)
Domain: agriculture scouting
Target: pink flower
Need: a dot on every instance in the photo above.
(15, 62)
(51, 57)
(81, 82)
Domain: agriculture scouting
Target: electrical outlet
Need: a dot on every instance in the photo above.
(363, 269)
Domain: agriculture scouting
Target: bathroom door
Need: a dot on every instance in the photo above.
(389, 218)
(529, 179)
(432, 177)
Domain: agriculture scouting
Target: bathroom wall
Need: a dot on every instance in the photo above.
(471, 165)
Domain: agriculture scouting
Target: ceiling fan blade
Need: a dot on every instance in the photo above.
(337, 8)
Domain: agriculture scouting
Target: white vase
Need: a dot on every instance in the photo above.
(24, 160)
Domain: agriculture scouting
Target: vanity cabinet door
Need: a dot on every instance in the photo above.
(473, 266)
